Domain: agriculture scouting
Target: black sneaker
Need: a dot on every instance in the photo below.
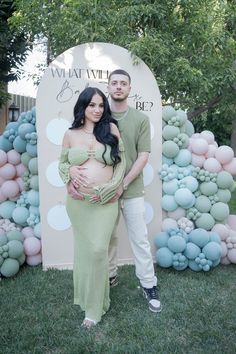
(113, 281)
(152, 297)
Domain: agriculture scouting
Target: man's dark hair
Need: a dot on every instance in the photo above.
(119, 72)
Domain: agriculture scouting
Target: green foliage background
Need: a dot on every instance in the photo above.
(13, 48)
(190, 45)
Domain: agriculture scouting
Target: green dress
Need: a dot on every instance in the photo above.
(92, 225)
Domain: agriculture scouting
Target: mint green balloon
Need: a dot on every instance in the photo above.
(203, 204)
(10, 267)
(33, 197)
(189, 128)
(6, 209)
(15, 235)
(25, 158)
(37, 230)
(182, 116)
(34, 182)
(169, 132)
(15, 249)
(224, 179)
(31, 149)
(205, 221)
(168, 112)
(3, 239)
(33, 166)
(170, 149)
(224, 195)
(208, 188)
(20, 215)
(220, 211)
(1, 260)
(21, 259)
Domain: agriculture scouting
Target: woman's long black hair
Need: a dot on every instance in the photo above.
(102, 129)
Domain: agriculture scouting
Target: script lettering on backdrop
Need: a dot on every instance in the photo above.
(66, 92)
(89, 64)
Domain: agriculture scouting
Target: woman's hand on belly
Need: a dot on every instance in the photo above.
(95, 173)
(78, 176)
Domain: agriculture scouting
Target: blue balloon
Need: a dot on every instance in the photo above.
(164, 257)
(161, 239)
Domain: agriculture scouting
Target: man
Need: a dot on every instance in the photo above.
(135, 132)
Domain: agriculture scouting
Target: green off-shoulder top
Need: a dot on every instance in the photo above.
(77, 156)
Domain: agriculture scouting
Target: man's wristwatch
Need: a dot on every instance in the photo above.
(125, 186)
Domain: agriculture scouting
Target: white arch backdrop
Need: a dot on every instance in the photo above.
(89, 65)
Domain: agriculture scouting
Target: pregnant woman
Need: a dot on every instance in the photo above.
(92, 159)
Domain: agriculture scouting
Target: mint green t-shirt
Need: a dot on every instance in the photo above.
(134, 128)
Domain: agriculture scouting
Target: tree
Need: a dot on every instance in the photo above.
(189, 45)
(13, 49)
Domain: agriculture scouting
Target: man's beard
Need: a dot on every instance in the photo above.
(119, 99)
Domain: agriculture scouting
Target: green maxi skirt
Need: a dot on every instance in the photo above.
(92, 227)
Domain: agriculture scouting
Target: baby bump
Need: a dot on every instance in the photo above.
(97, 173)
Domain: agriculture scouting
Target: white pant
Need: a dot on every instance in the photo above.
(133, 211)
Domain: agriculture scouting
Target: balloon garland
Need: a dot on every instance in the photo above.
(197, 229)
(19, 196)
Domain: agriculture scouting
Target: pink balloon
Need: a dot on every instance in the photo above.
(34, 260)
(2, 180)
(224, 249)
(225, 261)
(20, 182)
(169, 224)
(27, 232)
(190, 144)
(208, 136)
(224, 154)
(2, 197)
(10, 189)
(177, 213)
(13, 157)
(3, 158)
(211, 151)
(212, 165)
(32, 246)
(164, 214)
(222, 230)
(232, 255)
(231, 166)
(20, 169)
(196, 136)
(231, 221)
(8, 171)
(198, 160)
(199, 146)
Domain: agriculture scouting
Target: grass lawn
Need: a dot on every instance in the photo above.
(37, 315)
(199, 314)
